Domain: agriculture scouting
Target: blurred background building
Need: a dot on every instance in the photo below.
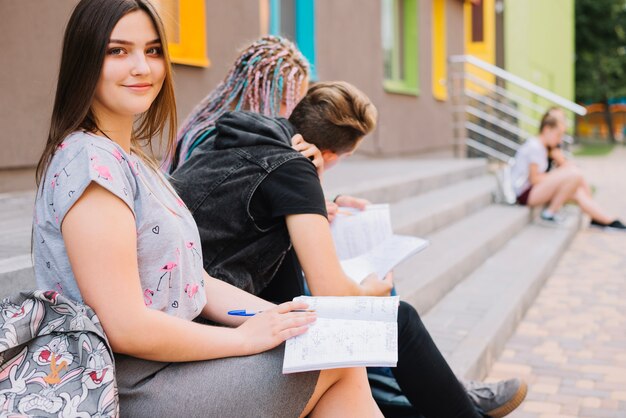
(405, 54)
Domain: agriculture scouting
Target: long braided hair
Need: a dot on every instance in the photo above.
(270, 71)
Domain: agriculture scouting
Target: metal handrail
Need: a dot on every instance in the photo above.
(503, 92)
(511, 111)
(492, 135)
(489, 151)
(495, 121)
(526, 85)
(509, 117)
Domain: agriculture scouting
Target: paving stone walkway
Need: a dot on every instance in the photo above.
(571, 345)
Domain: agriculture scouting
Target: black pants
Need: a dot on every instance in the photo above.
(424, 375)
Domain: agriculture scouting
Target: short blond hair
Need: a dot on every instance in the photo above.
(334, 116)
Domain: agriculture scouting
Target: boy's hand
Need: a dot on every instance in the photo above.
(310, 151)
(373, 286)
(352, 202)
(331, 209)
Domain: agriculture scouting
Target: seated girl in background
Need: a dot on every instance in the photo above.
(534, 185)
(111, 232)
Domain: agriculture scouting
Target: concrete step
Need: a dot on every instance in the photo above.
(16, 273)
(16, 214)
(455, 252)
(428, 212)
(16, 270)
(391, 180)
(386, 180)
(472, 323)
(18, 200)
(16, 209)
(15, 242)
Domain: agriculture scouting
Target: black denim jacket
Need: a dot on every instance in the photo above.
(217, 184)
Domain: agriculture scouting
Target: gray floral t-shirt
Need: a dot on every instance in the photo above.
(168, 244)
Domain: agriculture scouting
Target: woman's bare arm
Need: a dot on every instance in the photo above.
(231, 298)
(100, 237)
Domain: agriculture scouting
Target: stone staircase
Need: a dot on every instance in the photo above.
(484, 267)
(486, 262)
(16, 214)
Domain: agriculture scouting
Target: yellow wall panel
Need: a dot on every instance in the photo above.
(440, 51)
(185, 23)
(485, 49)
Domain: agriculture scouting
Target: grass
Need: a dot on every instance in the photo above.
(593, 149)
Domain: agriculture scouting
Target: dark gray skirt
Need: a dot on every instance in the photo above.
(251, 386)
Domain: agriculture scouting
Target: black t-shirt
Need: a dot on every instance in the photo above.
(293, 188)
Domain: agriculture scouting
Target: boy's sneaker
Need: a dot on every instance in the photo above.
(497, 399)
(552, 219)
(616, 225)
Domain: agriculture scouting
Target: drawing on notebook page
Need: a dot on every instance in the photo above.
(349, 331)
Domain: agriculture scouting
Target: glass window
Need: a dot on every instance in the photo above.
(478, 22)
(399, 44)
(185, 26)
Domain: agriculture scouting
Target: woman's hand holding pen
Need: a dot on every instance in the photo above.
(271, 327)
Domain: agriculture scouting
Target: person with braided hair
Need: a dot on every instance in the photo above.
(246, 216)
(269, 77)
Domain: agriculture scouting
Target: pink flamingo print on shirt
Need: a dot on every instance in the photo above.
(134, 167)
(194, 251)
(147, 296)
(168, 270)
(118, 155)
(102, 170)
(191, 290)
(55, 180)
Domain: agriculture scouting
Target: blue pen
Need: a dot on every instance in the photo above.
(243, 312)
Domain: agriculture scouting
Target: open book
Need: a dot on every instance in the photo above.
(366, 244)
(349, 331)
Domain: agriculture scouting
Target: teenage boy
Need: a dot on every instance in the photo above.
(254, 197)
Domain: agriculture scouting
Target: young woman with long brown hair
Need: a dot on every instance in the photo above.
(109, 231)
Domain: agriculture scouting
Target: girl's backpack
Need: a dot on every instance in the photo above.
(55, 360)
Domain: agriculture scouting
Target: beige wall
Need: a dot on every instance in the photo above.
(32, 31)
(348, 47)
(31, 34)
(231, 25)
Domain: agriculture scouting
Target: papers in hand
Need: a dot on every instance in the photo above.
(366, 244)
(349, 331)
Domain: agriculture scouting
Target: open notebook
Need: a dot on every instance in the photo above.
(366, 244)
(349, 331)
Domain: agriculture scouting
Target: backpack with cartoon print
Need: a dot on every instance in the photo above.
(55, 360)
